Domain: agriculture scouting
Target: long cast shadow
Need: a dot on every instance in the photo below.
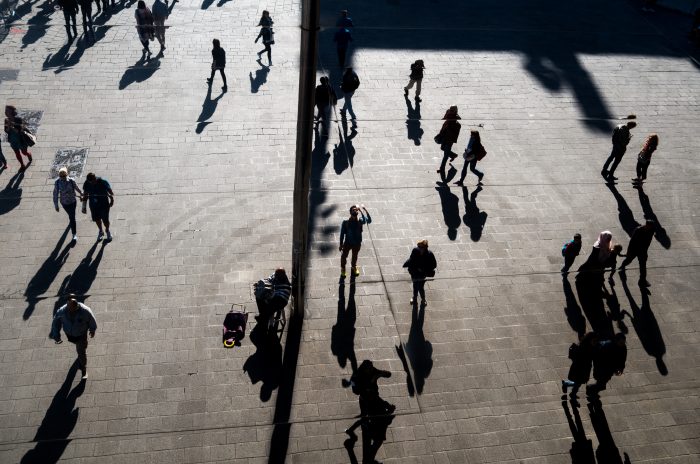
(450, 209)
(473, 218)
(45, 275)
(413, 116)
(260, 77)
(343, 332)
(607, 451)
(11, 195)
(646, 327)
(142, 70)
(52, 436)
(589, 286)
(38, 24)
(318, 196)
(208, 110)
(265, 365)
(659, 233)
(418, 349)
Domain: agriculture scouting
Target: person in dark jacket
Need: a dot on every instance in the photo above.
(570, 251)
(268, 40)
(14, 128)
(218, 63)
(144, 25)
(324, 98)
(581, 356)
(609, 358)
(416, 77)
(344, 21)
(449, 133)
(472, 154)
(620, 139)
(342, 40)
(638, 248)
(349, 84)
(421, 264)
(351, 237)
(70, 10)
(86, 11)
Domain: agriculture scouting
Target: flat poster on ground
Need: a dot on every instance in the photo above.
(72, 158)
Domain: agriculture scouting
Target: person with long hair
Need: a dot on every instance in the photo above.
(218, 55)
(449, 133)
(471, 155)
(644, 158)
(144, 25)
(14, 127)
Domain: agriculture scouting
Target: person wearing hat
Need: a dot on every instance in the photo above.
(421, 264)
(77, 320)
(64, 191)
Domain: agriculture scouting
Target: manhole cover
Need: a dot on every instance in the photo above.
(72, 158)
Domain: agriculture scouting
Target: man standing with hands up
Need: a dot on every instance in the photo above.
(351, 237)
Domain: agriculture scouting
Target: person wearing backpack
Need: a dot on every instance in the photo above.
(416, 77)
(351, 237)
(64, 191)
(349, 84)
(570, 251)
(421, 265)
(620, 139)
(474, 153)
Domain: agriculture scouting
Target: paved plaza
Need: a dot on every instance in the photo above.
(203, 184)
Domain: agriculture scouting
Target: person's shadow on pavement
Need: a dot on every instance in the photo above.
(415, 132)
(589, 286)
(660, 233)
(343, 332)
(418, 349)
(582, 448)
(625, 214)
(52, 436)
(142, 70)
(473, 218)
(208, 110)
(572, 310)
(260, 77)
(11, 195)
(41, 281)
(80, 281)
(646, 326)
(607, 451)
(450, 209)
(266, 363)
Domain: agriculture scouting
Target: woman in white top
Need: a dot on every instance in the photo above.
(64, 191)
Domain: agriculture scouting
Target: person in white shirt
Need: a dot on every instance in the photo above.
(77, 320)
(64, 191)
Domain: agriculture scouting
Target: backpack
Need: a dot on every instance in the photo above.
(563, 253)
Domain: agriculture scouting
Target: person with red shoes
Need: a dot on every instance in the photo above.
(15, 130)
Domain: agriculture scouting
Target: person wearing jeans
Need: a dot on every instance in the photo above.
(421, 264)
(77, 320)
(64, 191)
(349, 84)
(471, 153)
(351, 238)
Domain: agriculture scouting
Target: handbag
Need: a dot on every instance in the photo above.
(28, 138)
(439, 139)
(480, 152)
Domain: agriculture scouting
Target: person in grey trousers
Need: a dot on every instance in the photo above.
(77, 321)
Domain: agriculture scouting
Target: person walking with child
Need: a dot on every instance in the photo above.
(416, 77)
(351, 237)
(421, 265)
(474, 153)
(644, 158)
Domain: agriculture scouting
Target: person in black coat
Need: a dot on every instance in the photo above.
(70, 10)
(609, 358)
(638, 248)
(324, 98)
(218, 63)
(581, 356)
(421, 264)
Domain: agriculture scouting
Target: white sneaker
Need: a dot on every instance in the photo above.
(100, 235)
(75, 237)
(109, 235)
(84, 377)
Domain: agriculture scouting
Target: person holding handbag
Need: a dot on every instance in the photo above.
(144, 25)
(17, 136)
(421, 264)
(472, 154)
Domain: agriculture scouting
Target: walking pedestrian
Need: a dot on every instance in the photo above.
(609, 358)
(449, 133)
(342, 39)
(218, 63)
(265, 19)
(421, 264)
(64, 191)
(349, 84)
(474, 153)
(268, 40)
(647, 6)
(144, 25)
(620, 139)
(581, 356)
(15, 128)
(644, 158)
(160, 14)
(570, 251)
(351, 237)
(416, 77)
(272, 295)
(344, 21)
(77, 320)
(98, 193)
(325, 98)
(638, 248)
(70, 10)
(86, 11)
